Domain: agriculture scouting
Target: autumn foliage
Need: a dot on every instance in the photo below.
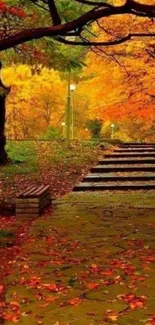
(36, 101)
(122, 93)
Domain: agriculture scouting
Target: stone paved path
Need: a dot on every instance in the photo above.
(91, 262)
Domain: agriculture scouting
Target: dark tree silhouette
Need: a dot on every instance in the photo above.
(4, 91)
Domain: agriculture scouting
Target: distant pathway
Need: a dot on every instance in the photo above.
(130, 167)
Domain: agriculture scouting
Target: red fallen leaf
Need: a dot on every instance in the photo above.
(1, 289)
(107, 272)
(139, 278)
(60, 262)
(149, 259)
(94, 268)
(50, 299)
(33, 282)
(11, 317)
(51, 287)
(15, 319)
(117, 279)
(91, 314)
(151, 322)
(136, 304)
(14, 304)
(133, 301)
(92, 286)
(25, 267)
(74, 301)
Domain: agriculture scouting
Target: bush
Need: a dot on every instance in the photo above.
(95, 127)
(51, 133)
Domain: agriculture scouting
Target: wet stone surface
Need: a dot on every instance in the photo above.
(91, 262)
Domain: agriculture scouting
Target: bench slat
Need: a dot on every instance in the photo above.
(41, 191)
(25, 191)
(36, 190)
(29, 190)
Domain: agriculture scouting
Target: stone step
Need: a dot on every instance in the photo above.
(126, 161)
(111, 187)
(100, 178)
(145, 150)
(130, 155)
(110, 169)
(134, 144)
(137, 148)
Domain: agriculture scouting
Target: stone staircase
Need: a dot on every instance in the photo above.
(129, 167)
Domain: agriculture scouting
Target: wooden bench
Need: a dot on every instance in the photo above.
(32, 201)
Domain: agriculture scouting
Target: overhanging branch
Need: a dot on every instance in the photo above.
(60, 30)
(105, 43)
(94, 3)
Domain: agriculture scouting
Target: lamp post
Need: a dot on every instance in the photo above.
(68, 108)
(63, 124)
(112, 131)
(72, 88)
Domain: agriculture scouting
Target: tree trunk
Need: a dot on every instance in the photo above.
(4, 91)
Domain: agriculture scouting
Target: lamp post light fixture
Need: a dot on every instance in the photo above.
(72, 89)
(112, 131)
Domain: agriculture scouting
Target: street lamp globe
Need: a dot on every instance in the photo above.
(72, 87)
(63, 123)
(112, 125)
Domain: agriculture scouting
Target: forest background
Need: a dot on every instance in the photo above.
(113, 84)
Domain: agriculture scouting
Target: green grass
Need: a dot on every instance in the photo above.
(7, 238)
(24, 158)
(34, 157)
(5, 234)
(21, 151)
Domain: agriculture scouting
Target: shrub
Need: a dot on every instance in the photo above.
(95, 127)
(51, 133)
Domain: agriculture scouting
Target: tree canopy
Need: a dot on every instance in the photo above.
(28, 20)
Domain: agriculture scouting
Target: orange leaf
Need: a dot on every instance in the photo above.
(92, 286)
(14, 304)
(1, 289)
(136, 304)
(112, 315)
(51, 287)
(74, 301)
